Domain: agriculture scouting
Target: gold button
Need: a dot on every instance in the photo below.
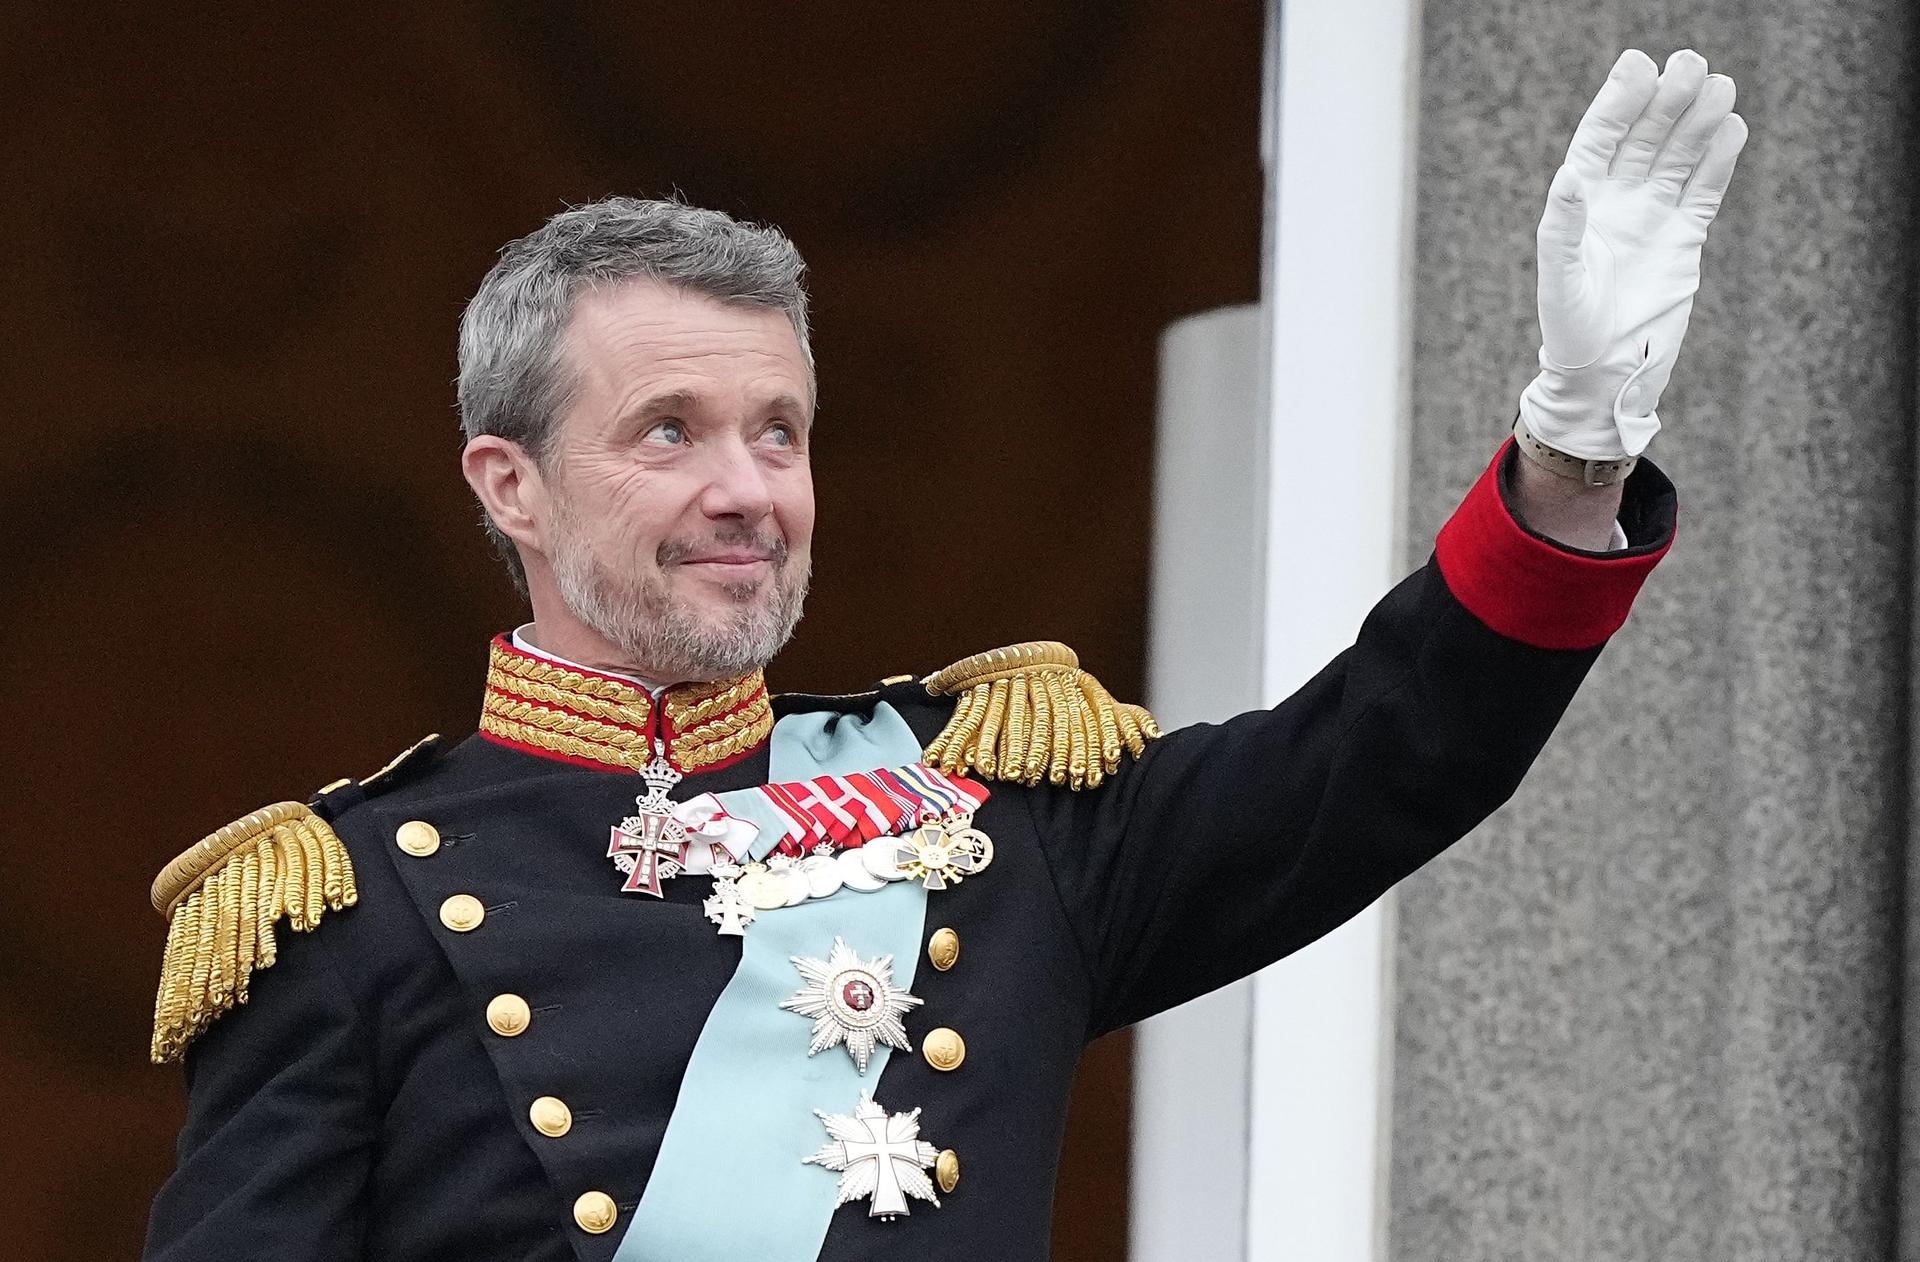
(508, 1015)
(944, 1049)
(595, 1212)
(551, 1117)
(462, 913)
(417, 837)
(946, 1168)
(944, 949)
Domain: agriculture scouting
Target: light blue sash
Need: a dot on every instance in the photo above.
(729, 1183)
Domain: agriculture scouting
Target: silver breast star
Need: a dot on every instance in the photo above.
(852, 1001)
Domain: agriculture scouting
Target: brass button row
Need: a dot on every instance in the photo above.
(463, 912)
(509, 1016)
(943, 1048)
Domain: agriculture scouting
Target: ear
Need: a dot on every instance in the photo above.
(510, 488)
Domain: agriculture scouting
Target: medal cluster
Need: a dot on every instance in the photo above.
(939, 853)
(781, 845)
(859, 832)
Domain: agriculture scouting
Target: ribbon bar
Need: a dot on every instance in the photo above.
(842, 812)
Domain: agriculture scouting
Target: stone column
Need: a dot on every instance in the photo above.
(1652, 1009)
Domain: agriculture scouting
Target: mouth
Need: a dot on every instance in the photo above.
(729, 564)
(737, 559)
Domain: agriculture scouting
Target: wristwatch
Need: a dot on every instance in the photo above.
(1553, 460)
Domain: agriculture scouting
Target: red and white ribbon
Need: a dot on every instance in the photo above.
(846, 812)
(841, 812)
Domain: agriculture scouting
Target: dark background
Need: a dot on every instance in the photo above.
(241, 561)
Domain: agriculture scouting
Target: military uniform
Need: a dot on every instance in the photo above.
(476, 1043)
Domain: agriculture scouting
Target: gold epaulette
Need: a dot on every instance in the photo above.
(222, 899)
(1029, 713)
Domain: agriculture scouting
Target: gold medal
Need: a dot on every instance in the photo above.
(939, 854)
(762, 889)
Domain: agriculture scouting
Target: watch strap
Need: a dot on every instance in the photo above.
(1555, 461)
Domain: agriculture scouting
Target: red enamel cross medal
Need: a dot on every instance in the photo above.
(650, 846)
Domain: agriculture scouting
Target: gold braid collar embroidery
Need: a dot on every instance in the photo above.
(1028, 713)
(544, 707)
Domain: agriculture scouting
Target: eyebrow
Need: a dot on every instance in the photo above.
(663, 405)
(789, 405)
(677, 401)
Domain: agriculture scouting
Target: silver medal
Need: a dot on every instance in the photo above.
(823, 875)
(853, 870)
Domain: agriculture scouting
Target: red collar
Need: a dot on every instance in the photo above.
(595, 720)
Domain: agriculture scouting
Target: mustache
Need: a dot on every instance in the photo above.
(773, 547)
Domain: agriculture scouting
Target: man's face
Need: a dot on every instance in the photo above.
(681, 497)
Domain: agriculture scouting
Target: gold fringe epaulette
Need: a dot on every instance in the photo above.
(1029, 713)
(223, 898)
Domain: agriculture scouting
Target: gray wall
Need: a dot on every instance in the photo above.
(1653, 1008)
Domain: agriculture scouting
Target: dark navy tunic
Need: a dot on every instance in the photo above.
(360, 1106)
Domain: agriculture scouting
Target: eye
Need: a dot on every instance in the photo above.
(673, 433)
(781, 434)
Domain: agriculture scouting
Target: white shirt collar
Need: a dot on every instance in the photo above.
(521, 642)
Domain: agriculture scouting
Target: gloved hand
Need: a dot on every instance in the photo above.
(1620, 251)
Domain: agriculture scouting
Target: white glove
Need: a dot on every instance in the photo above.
(1620, 251)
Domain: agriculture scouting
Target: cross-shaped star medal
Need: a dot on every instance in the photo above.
(725, 907)
(651, 845)
(878, 1154)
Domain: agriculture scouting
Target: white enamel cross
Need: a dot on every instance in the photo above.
(728, 908)
(878, 1154)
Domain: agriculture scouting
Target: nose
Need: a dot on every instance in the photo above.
(736, 485)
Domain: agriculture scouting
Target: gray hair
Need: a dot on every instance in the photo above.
(515, 381)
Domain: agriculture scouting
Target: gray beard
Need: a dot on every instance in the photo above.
(665, 638)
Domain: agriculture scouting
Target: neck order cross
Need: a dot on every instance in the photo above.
(651, 846)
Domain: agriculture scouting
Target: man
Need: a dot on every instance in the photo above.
(656, 965)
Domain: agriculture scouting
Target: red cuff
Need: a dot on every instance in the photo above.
(1526, 588)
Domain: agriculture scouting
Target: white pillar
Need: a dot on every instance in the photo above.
(1277, 1151)
(1343, 89)
(1204, 650)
